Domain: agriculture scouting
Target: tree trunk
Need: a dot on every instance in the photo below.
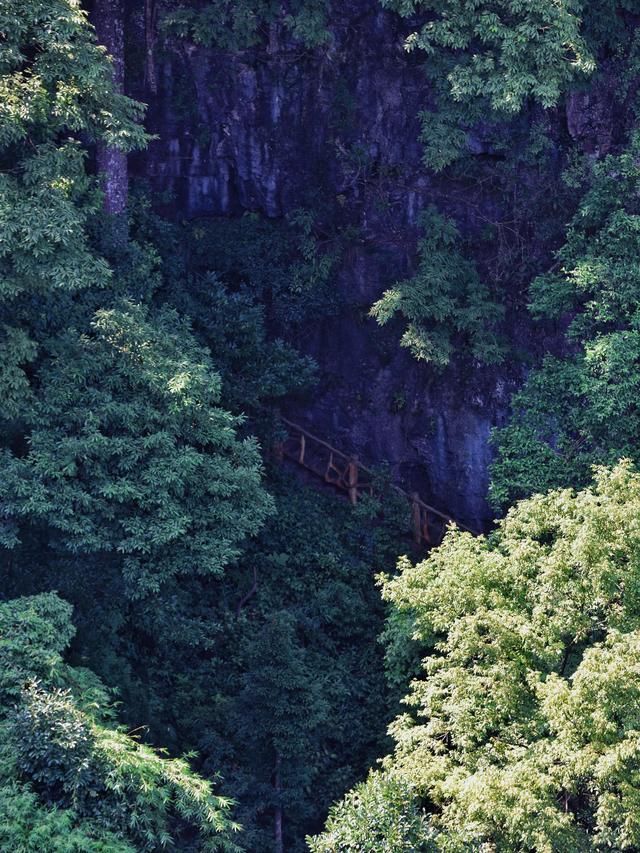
(278, 810)
(150, 78)
(108, 19)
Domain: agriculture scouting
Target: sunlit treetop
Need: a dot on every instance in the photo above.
(503, 50)
(521, 725)
(487, 56)
(55, 79)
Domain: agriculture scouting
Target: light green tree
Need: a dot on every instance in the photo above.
(521, 731)
(381, 815)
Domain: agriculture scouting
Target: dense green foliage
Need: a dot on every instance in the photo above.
(119, 468)
(236, 24)
(129, 486)
(521, 730)
(580, 409)
(69, 778)
(232, 611)
(447, 307)
(484, 56)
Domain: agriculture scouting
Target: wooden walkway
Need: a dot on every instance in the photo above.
(347, 474)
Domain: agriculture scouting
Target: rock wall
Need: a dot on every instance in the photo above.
(336, 129)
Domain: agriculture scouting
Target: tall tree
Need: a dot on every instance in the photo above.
(274, 671)
(118, 403)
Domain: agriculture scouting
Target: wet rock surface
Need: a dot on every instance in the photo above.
(336, 130)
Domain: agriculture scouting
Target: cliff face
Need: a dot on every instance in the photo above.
(280, 127)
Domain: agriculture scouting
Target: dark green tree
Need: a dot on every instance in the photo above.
(274, 672)
(70, 778)
(129, 453)
(580, 409)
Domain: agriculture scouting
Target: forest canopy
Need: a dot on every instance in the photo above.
(415, 224)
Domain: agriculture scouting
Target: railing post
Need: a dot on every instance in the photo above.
(352, 479)
(426, 533)
(327, 472)
(416, 519)
(425, 520)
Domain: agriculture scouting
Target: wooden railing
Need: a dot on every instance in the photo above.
(350, 476)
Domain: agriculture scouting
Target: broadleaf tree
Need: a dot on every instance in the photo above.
(521, 729)
(578, 408)
(496, 56)
(70, 778)
(118, 466)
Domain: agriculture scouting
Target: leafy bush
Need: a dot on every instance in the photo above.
(379, 816)
(445, 303)
(484, 56)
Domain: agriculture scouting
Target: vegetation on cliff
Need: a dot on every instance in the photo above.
(193, 651)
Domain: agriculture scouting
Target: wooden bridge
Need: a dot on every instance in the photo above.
(348, 475)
